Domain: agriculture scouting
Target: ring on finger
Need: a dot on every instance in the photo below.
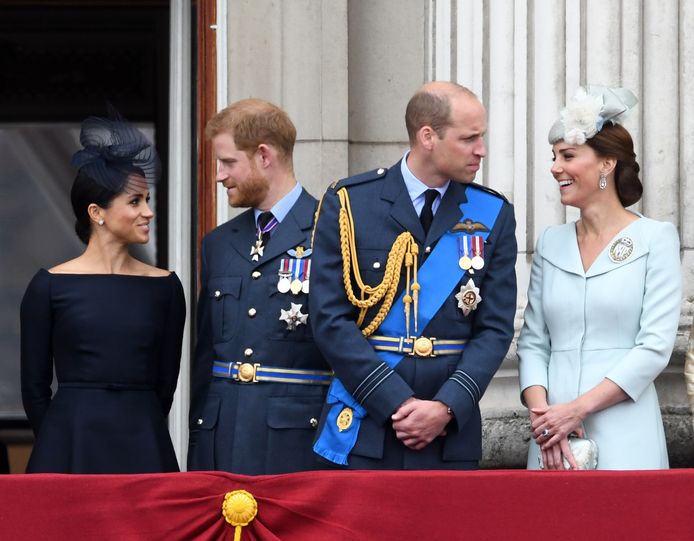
(545, 433)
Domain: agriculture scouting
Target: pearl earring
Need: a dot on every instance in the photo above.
(603, 181)
(101, 221)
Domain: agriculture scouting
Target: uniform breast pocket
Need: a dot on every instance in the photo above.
(372, 265)
(224, 292)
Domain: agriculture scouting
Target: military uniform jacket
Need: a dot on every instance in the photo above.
(253, 428)
(382, 209)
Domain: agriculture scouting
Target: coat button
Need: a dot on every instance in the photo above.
(252, 312)
(427, 250)
(200, 421)
(256, 274)
(217, 294)
(248, 352)
(380, 171)
(314, 422)
(376, 265)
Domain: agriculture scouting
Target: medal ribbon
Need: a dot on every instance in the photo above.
(478, 246)
(267, 229)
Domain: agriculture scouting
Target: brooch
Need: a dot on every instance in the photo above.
(621, 249)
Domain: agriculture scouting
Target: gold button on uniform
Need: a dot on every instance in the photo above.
(256, 274)
(427, 250)
(314, 422)
(200, 421)
(376, 265)
(248, 352)
(217, 294)
(252, 312)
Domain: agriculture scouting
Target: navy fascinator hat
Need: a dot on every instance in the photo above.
(113, 150)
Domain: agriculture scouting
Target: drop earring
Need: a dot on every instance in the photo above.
(603, 181)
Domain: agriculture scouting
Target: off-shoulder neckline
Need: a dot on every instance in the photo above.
(171, 273)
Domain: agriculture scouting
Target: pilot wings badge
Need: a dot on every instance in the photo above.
(468, 226)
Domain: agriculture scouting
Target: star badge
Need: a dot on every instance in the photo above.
(468, 297)
(293, 317)
(257, 250)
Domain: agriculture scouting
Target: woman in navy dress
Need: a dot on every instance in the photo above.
(111, 325)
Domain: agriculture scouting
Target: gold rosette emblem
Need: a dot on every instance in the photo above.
(344, 419)
(239, 509)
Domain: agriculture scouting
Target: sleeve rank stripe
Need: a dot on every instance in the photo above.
(375, 386)
(372, 382)
(373, 373)
(465, 386)
(472, 381)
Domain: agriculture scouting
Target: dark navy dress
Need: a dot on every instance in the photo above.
(115, 341)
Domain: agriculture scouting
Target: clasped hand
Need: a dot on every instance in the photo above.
(551, 426)
(417, 422)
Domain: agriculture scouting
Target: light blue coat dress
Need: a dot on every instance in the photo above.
(618, 321)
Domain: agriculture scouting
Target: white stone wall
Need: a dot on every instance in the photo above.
(294, 53)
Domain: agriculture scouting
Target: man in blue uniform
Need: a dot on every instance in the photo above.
(258, 380)
(414, 295)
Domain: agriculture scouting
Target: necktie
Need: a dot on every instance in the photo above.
(266, 223)
(427, 214)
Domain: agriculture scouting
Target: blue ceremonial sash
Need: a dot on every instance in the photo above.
(437, 277)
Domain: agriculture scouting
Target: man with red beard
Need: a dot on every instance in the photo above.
(258, 380)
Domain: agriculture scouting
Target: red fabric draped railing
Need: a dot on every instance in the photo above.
(340, 505)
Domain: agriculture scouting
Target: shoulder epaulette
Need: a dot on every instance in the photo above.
(375, 174)
(488, 190)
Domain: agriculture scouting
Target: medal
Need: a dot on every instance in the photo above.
(621, 249)
(464, 262)
(299, 273)
(468, 297)
(257, 250)
(306, 274)
(284, 274)
(478, 251)
(293, 317)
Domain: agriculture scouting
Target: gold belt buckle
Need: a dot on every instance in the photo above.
(423, 347)
(246, 372)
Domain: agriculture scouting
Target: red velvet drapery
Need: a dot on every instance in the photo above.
(340, 505)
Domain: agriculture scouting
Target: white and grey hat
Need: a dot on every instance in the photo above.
(588, 111)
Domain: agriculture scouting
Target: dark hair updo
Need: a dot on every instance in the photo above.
(85, 191)
(614, 141)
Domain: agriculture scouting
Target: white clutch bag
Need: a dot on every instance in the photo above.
(584, 450)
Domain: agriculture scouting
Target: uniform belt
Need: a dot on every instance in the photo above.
(420, 346)
(257, 373)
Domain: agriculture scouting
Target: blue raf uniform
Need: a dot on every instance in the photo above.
(468, 331)
(258, 381)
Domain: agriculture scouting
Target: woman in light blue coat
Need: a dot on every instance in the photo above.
(603, 302)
